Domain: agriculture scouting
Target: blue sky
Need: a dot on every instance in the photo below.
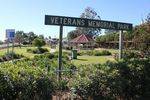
(28, 15)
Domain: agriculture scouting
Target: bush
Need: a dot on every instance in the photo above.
(131, 54)
(97, 53)
(94, 53)
(105, 52)
(40, 50)
(125, 79)
(37, 50)
(10, 56)
(101, 53)
(38, 42)
(21, 81)
(30, 50)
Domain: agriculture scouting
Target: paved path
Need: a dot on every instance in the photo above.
(52, 50)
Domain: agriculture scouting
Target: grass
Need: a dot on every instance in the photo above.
(110, 50)
(82, 60)
(22, 51)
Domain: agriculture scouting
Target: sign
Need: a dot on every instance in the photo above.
(10, 33)
(83, 22)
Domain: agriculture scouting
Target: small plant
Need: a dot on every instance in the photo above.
(37, 50)
(9, 56)
(105, 52)
(101, 53)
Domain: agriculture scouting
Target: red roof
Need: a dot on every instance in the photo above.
(82, 39)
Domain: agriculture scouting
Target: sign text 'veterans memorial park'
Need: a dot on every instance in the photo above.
(82, 22)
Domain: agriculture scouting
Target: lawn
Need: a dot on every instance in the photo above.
(22, 50)
(110, 50)
(82, 60)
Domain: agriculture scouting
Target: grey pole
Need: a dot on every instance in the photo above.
(120, 44)
(7, 45)
(12, 45)
(60, 53)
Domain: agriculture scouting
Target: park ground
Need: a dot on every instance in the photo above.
(81, 60)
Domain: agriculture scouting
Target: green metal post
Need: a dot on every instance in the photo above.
(60, 53)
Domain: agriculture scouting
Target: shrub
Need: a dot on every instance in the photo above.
(65, 55)
(94, 53)
(21, 81)
(9, 56)
(30, 50)
(125, 79)
(105, 52)
(97, 53)
(131, 54)
(37, 50)
(38, 42)
(101, 53)
(40, 50)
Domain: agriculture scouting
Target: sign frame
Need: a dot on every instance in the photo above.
(84, 22)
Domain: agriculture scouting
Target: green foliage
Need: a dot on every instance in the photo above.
(10, 56)
(37, 50)
(1, 42)
(73, 34)
(34, 78)
(38, 42)
(24, 38)
(138, 38)
(30, 37)
(131, 54)
(88, 13)
(19, 37)
(95, 53)
(125, 79)
(30, 79)
(22, 81)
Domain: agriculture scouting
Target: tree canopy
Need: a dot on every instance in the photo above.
(38, 42)
(88, 13)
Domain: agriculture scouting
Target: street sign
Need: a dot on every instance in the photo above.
(83, 22)
(10, 34)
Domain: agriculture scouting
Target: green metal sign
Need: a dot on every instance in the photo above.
(82, 22)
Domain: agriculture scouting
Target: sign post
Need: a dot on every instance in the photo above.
(120, 44)
(7, 46)
(10, 34)
(60, 53)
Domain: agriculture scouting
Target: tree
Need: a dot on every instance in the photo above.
(49, 37)
(38, 42)
(142, 37)
(88, 13)
(1, 42)
(73, 34)
(31, 37)
(148, 18)
(19, 37)
(41, 37)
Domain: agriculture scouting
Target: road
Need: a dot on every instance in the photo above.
(5, 45)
